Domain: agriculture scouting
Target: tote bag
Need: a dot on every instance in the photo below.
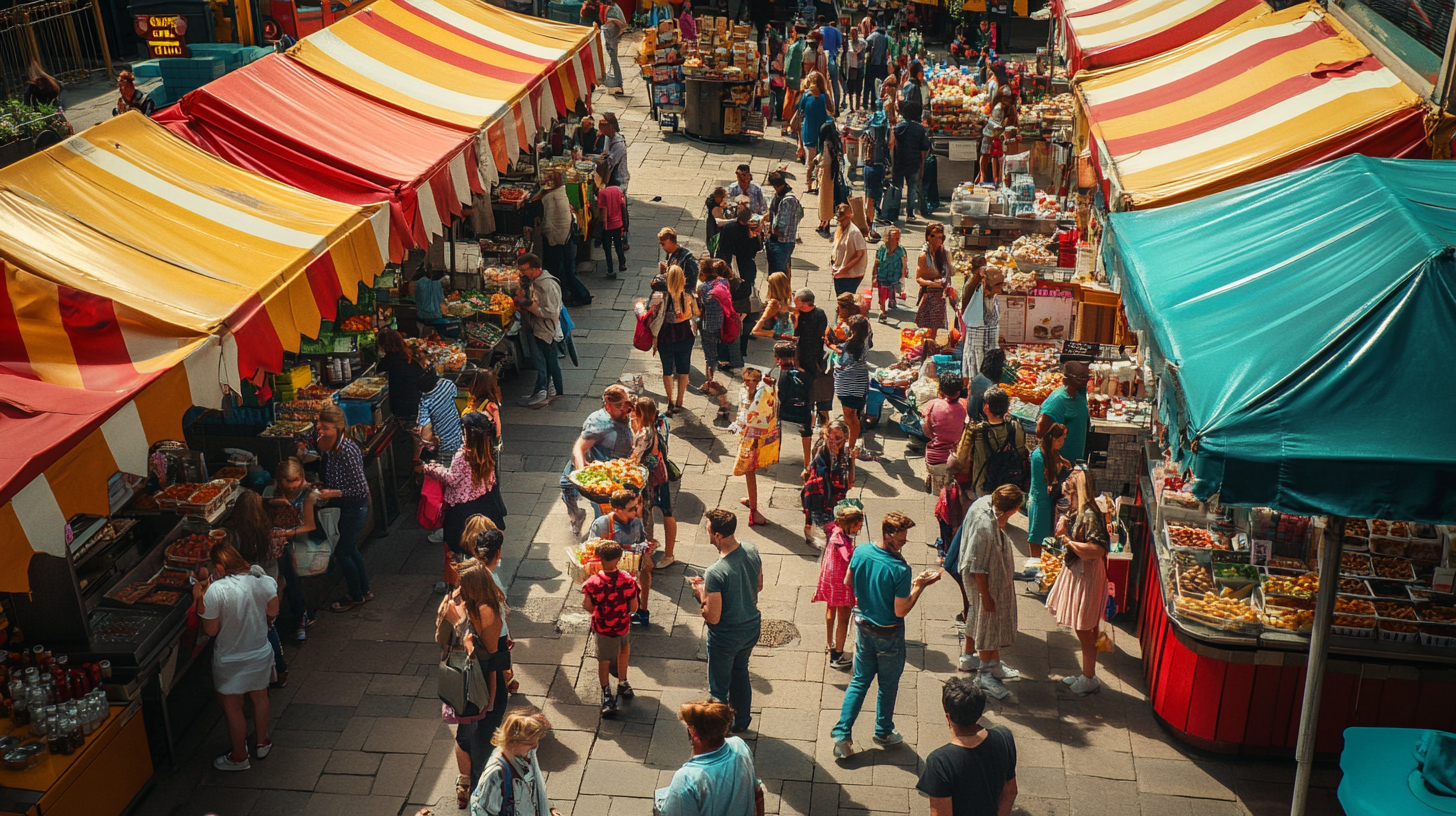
(431, 512)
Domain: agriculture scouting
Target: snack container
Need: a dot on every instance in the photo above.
(1383, 545)
(1356, 544)
(1365, 631)
(1388, 629)
(1438, 635)
(1394, 569)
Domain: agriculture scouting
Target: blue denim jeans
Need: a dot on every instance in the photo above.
(874, 184)
(728, 678)
(778, 253)
(292, 589)
(543, 354)
(346, 552)
(915, 196)
(279, 664)
(873, 657)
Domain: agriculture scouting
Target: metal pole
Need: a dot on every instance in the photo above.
(1314, 676)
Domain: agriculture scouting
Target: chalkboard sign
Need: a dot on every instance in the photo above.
(1077, 351)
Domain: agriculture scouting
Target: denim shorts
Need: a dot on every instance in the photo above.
(677, 357)
(662, 499)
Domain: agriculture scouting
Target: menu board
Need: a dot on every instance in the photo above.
(1041, 317)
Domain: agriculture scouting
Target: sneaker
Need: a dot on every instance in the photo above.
(300, 634)
(641, 618)
(262, 750)
(527, 402)
(625, 691)
(843, 749)
(892, 738)
(1086, 685)
(540, 400)
(1001, 671)
(992, 686)
(969, 663)
(1071, 679)
(577, 517)
(842, 661)
(437, 537)
(225, 763)
(865, 456)
(911, 219)
(884, 318)
(609, 704)
(666, 561)
(551, 389)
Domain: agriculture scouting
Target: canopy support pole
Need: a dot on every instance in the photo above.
(1314, 675)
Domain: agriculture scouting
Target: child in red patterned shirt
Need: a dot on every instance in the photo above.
(611, 598)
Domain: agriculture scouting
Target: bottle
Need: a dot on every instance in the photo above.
(39, 725)
(78, 740)
(20, 707)
(58, 740)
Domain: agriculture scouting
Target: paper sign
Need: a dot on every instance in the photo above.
(964, 150)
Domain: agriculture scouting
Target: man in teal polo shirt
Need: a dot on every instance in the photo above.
(886, 593)
(1068, 406)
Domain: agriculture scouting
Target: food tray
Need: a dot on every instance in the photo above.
(1187, 538)
(1397, 547)
(1438, 633)
(1224, 624)
(1356, 587)
(1357, 527)
(130, 593)
(1390, 529)
(1438, 641)
(230, 473)
(286, 430)
(173, 495)
(1355, 565)
(1355, 544)
(1354, 606)
(1273, 588)
(1421, 594)
(1193, 591)
(177, 560)
(1300, 621)
(1235, 576)
(1387, 590)
(594, 493)
(1388, 633)
(1365, 630)
(1426, 552)
(1393, 569)
(209, 506)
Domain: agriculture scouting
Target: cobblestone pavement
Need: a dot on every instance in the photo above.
(358, 729)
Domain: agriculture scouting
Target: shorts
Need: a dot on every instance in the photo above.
(609, 647)
(677, 357)
(849, 403)
(662, 499)
(824, 406)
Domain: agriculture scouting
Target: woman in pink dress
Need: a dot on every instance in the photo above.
(1079, 596)
(832, 590)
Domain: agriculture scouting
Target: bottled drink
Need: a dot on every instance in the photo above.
(59, 740)
(39, 726)
(20, 709)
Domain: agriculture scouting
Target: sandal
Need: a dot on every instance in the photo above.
(514, 686)
(368, 596)
(756, 519)
(671, 410)
(343, 606)
(462, 791)
(743, 501)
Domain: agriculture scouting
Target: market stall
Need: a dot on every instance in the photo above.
(716, 81)
(282, 120)
(1276, 93)
(1284, 488)
(1097, 34)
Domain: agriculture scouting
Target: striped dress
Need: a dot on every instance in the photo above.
(852, 374)
(985, 548)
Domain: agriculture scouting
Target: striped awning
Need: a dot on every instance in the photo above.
(461, 62)
(1104, 33)
(129, 213)
(1280, 92)
(86, 385)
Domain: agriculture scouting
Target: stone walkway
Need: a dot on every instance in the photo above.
(358, 729)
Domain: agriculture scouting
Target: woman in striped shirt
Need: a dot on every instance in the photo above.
(852, 375)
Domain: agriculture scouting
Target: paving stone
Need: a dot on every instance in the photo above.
(395, 684)
(287, 768)
(610, 778)
(352, 762)
(337, 783)
(1178, 778)
(1096, 762)
(401, 735)
(397, 774)
(355, 734)
(331, 804)
(784, 759)
(1095, 797)
(275, 803)
(332, 689)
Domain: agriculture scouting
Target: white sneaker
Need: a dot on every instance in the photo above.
(1086, 685)
(843, 749)
(992, 686)
(262, 750)
(225, 763)
(541, 400)
(1001, 671)
(527, 402)
(892, 738)
(970, 663)
(437, 537)
(550, 389)
(1071, 678)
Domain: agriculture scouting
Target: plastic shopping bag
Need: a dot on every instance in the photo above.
(1106, 640)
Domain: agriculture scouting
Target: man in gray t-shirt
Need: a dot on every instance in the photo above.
(728, 597)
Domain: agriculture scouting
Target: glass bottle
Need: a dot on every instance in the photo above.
(78, 740)
(39, 725)
(20, 708)
(59, 741)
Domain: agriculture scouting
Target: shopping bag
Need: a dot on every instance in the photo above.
(310, 555)
(1106, 639)
(431, 512)
(642, 335)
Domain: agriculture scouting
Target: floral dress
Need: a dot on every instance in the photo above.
(930, 314)
(833, 565)
(759, 445)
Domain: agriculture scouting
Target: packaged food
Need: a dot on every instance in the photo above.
(1393, 569)
(1354, 586)
(1357, 564)
(1292, 586)
(1194, 581)
(1182, 535)
(1381, 545)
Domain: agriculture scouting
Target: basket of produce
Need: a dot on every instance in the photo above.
(189, 552)
(1220, 612)
(599, 480)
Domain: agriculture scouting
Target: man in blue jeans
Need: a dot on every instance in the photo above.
(728, 597)
(784, 213)
(912, 144)
(540, 305)
(886, 593)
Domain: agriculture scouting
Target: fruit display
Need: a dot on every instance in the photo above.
(957, 105)
(1194, 581)
(1292, 586)
(1355, 564)
(1394, 569)
(357, 323)
(441, 355)
(602, 479)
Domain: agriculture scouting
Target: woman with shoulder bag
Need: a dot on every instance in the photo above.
(1079, 597)
(673, 333)
(469, 621)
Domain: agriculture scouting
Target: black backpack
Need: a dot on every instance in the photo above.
(1006, 464)
(793, 396)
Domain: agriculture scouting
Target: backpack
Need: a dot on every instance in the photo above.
(1006, 465)
(793, 396)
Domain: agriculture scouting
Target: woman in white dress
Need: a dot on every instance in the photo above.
(237, 603)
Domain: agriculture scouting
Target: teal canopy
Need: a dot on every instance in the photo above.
(1307, 326)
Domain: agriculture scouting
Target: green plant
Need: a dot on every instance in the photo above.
(21, 121)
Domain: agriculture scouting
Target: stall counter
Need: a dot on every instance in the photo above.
(101, 779)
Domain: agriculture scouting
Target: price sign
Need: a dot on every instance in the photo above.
(165, 34)
(1079, 351)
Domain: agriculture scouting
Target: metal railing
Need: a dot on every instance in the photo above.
(64, 37)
